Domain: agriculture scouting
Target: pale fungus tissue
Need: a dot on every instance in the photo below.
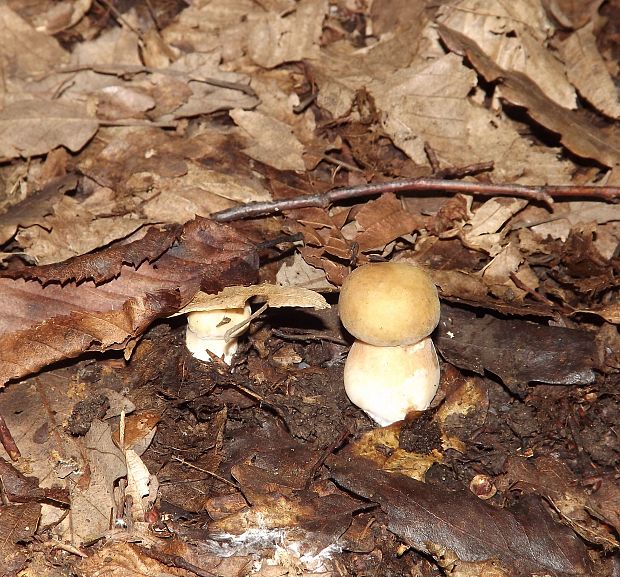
(392, 368)
(206, 332)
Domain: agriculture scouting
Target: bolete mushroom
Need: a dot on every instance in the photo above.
(392, 368)
(206, 331)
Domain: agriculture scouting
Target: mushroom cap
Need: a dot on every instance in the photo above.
(215, 323)
(389, 304)
(389, 382)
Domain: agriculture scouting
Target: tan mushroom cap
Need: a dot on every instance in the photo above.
(389, 304)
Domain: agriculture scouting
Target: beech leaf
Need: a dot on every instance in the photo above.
(32, 127)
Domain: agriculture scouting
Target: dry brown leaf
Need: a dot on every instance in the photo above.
(484, 229)
(572, 13)
(517, 351)
(116, 45)
(212, 26)
(513, 35)
(586, 69)
(526, 540)
(497, 273)
(172, 179)
(270, 140)
(35, 207)
(551, 478)
(115, 102)
(18, 524)
(207, 97)
(275, 296)
(75, 228)
(23, 50)
(63, 15)
(92, 501)
(577, 134)
(382, 221)
(275, 38)
(299, 273)
(33, 127)
(429, 102)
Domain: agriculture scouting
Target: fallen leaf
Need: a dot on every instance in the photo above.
(301, 274)
(270, 140)
(277, 38)
(92, 489)
(382, 221)
(576, 133)
(43, 52)
(275, 296)
(571, 13)
(18, 524)
(32, 127)
(551, 478)
(586, 70)
(35, 207)
(483, 230)
(64, 14)
(525, 540)
(517, 351)
(514, 37)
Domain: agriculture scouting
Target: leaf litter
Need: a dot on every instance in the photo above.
(126, 125)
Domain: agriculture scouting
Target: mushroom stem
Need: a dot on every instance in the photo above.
(389, 382)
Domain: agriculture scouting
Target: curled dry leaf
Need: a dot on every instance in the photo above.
(50, 322)
(514, 36)
(581, 137)
(275, 296)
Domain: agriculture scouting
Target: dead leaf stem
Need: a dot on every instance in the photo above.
(544, 194)
(7, 441)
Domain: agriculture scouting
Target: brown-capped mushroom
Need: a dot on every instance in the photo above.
(392, 368)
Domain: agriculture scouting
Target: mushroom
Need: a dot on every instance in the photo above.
(206, 331)
(392, 368)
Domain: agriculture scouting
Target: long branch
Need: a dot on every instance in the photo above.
(544, 194)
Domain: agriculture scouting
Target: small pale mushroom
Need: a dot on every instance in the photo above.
(206, 331)
(392, 368)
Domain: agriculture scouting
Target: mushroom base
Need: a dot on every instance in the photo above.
(218, 346)
(388, 382)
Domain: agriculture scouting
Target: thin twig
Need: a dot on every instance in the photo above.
(536, 295)
(131, 70)
(175, 561)
(119, 17)
(7, 441)
(305, 336)
(544, 194)
(206, 471)
(405, 185)
(235, 330)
